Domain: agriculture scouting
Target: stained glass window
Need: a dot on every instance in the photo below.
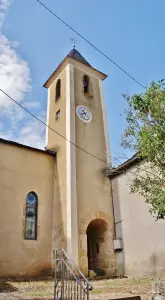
(31, 217)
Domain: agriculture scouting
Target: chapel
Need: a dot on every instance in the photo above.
(61, 197)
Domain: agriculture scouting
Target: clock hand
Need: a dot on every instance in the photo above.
(83, 113)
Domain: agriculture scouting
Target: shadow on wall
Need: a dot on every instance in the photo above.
(59, 237)
(157, 263)
(118, 232)
(99, 247)
(6, 287)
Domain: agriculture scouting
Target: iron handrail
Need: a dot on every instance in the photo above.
(77, 268)
(78, 281)
(70, 282)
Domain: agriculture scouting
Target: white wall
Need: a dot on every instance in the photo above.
(143, 238)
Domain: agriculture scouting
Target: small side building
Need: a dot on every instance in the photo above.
(139, 239)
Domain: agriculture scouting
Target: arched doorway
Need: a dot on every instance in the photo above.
(98, 246)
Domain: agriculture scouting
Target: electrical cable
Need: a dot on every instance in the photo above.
(94, 156)
(91, 44)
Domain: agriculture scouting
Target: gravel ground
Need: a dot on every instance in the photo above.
(102, 289)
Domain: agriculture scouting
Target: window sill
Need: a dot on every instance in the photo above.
(88, 95)
(30, 242)
(58, 99)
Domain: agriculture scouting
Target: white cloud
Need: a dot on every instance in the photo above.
(14, 73)
(7, 135)
(34, 104)
(33, 132)
(4, 6)
(1, 125)
(15, 81)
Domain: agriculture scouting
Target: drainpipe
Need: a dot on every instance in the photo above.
(113, 209)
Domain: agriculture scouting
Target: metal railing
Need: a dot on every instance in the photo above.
(70, 283)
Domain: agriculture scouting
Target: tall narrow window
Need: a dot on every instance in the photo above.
(97, 248)
(58, 89)
(31, 217)
(86, 84)
(58, 115)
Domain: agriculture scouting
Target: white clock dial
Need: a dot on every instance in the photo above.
(83, 113)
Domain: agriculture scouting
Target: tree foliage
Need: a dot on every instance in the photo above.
(145, 134)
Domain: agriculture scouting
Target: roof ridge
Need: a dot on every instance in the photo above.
(75, 54)
(13, 143)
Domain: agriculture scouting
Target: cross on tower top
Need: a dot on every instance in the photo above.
(73, 41)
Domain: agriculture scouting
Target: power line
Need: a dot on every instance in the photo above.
(91, 44)
(94, 156)
(60, 19)
(34, 116)
(29, 112)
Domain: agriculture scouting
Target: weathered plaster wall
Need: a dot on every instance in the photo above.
(84, 192)
(21, 171)
(93, 189)
(57, 143)
(143, 238)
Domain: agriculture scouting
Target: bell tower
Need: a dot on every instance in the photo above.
(76, 113)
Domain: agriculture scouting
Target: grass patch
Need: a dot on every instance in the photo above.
(105, 289)
(40, 294)
(122, 282)
(97, 291)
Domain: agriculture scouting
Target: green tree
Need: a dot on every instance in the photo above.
(145, 134)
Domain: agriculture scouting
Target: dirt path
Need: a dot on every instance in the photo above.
(102, 289)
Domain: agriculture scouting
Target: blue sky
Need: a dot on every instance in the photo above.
(130, 32)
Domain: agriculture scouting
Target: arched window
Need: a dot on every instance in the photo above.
(58, 89)
(31, 217)
(86, 84)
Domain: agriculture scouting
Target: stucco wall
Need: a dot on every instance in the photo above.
(84, 192)
(21, 171)
(143, 238)
(57, 143)
(94, 199)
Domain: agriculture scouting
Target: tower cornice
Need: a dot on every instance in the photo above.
(68, 59)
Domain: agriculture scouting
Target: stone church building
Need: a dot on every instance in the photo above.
(60, 197)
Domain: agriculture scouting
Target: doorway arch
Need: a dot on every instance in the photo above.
(98, 246)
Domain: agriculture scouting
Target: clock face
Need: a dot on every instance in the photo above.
(83, 113)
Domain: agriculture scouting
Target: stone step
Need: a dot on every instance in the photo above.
(126, 298)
